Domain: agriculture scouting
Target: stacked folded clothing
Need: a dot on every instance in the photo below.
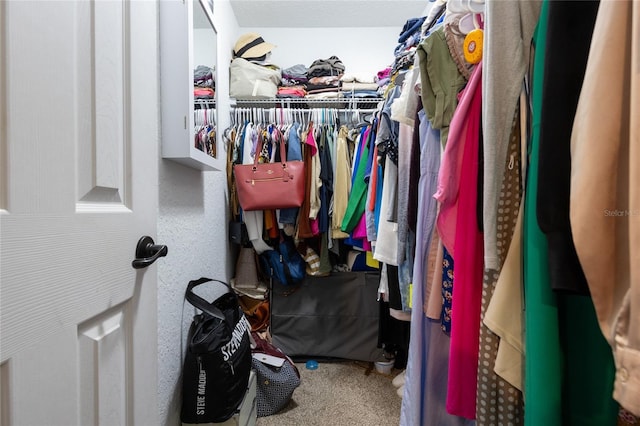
(331, 94)
(294, 76)
(359, 87)
(326, 67)
(291, 92)
(383, 78)
(324, 78)
(204, 83)
(293, 85)
(330, 83)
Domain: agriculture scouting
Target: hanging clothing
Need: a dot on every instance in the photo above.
(406, 233)
(252, 219)
(499, 401)
(294, 153)
(543, 358)
(316, 182)
(357, 197)
(387, 242)
(467, 255)
(405, 142)
(434, 301)
(508, 28)
(568, 39)
(503, 317)
(229, 138)
(587, 398)
(427, 205)
(342, 184)
(403, 108)
(374, 194)
(326, 177)
(447, 291)
(412, 402)
(304, 224)
(424, 399)
(440, 81)
(605, 196)
(451, 168)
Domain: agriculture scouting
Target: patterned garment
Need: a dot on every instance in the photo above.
(498, 402)
(447, 291)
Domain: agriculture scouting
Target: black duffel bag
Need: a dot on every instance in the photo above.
(217, 363)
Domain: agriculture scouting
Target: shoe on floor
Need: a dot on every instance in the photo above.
(400, 391)
(399, 379)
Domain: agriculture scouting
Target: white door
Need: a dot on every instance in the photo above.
(78, 188)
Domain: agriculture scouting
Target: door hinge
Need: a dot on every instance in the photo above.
(185, 122)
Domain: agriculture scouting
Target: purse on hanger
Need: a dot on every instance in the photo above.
(270, 186)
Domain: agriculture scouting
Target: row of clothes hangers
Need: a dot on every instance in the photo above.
(287, 116)
(205, 130)
(204, 117)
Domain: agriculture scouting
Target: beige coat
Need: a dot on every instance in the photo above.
(605, 187)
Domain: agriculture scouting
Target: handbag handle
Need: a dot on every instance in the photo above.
(283, 152)
(202, 304)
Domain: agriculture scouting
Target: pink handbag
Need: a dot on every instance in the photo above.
(268, 186)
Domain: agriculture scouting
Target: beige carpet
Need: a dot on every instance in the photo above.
(343, 393)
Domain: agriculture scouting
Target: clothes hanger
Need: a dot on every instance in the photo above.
(475, 6)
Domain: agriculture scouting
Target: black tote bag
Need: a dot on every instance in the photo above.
(217, 363)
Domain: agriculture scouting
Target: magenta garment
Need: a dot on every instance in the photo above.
(311, 140)
(315, 226)
(468, 257)
(360, 233)
(450, 167)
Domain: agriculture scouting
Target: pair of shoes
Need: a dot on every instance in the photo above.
(400, 391)
(398, 381)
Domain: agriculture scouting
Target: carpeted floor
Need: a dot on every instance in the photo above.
(345, 393)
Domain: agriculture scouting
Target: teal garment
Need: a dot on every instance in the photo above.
(589, 370)
(543, 357)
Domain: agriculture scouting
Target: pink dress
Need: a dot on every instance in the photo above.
(458, 228)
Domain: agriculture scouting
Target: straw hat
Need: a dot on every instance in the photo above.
(251, 46)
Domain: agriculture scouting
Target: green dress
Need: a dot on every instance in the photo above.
(569, 367)
(543, 358)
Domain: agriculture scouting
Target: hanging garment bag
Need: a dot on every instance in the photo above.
(217, 363)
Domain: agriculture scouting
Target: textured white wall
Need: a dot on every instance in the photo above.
(192, 222)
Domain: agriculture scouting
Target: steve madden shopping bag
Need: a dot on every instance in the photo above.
(270, 186)
(217, 363)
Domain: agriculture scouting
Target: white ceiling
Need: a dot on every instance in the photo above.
(327, 13)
